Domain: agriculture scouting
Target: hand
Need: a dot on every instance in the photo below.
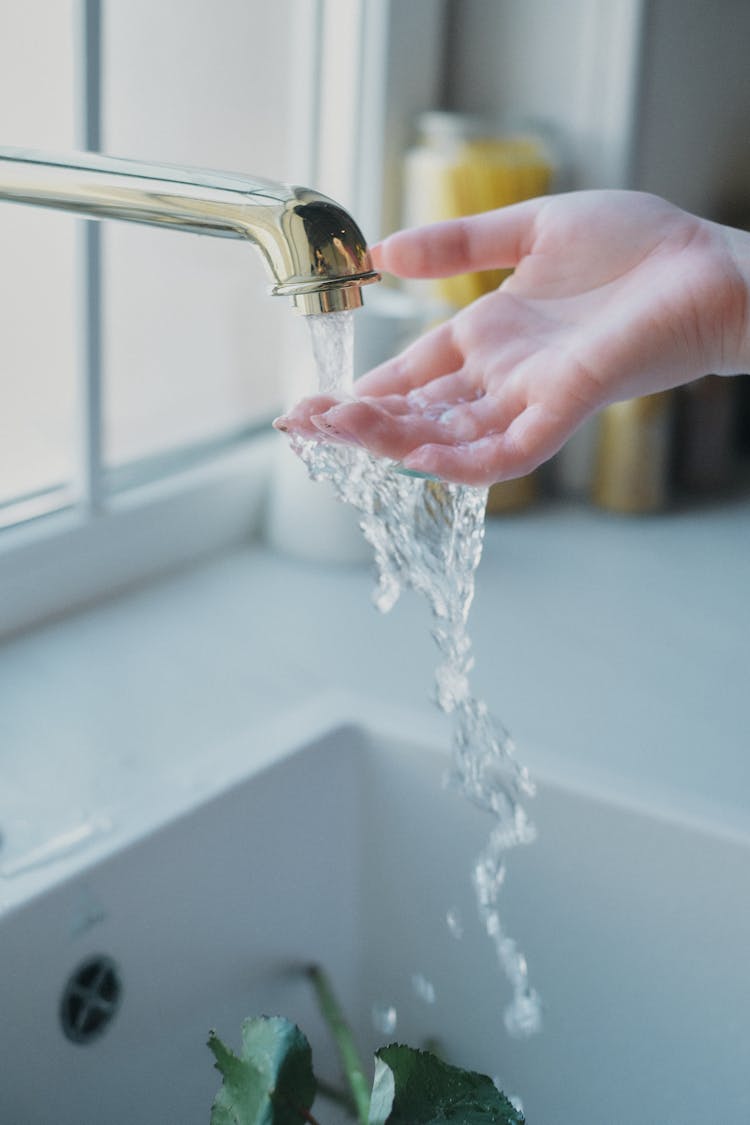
(615, 294)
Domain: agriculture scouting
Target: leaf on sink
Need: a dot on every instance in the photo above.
(271, 1082)
(415, 1088)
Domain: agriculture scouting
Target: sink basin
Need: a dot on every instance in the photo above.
(348, 851)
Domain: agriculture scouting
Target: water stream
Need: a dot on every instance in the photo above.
(427, 536)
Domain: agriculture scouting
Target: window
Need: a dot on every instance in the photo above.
(190, 337)
(37, 267)
(137, 367)
(187, 336)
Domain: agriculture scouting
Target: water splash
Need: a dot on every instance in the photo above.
(423, 988)
(384, 1019)
(427, 536)
(455, 924)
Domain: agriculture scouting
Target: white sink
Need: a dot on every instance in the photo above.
(349, 852)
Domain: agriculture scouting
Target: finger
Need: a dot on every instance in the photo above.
(488, 241)
(433, 398)
(397, 435)
(434, 354)
(531, 438)
(363, 423)
(394, 404)
(447, 390)
(297, 420)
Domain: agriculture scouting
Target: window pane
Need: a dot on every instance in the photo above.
(38, 317)
(191, 339)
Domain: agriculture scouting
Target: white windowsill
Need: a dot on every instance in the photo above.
(62, 562)
(617, 652)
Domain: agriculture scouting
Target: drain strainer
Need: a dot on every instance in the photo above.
(90, 999)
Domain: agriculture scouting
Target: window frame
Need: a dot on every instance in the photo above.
(71, 550)
(104, 530)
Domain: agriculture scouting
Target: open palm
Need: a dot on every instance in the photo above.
(614, 294)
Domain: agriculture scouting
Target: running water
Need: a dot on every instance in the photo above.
(427, 535)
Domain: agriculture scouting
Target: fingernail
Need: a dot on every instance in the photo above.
(333, 430)
(281, 423)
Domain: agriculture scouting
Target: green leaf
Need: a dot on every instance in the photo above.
(271, 1082)
(415, 1088)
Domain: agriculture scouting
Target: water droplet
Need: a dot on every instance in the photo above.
(524, 1016)
(492, 923)
(455, 924)
(423, 988)
(384, 1018)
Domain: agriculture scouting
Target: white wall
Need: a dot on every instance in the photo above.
(653, 94)
(572, 63)
(694, 116)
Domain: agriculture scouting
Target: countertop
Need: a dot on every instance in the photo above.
(616, 650)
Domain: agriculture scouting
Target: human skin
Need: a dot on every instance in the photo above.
(614, 294)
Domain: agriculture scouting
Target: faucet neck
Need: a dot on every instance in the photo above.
(313, 249)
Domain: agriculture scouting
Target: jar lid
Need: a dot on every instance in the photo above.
(439, 124)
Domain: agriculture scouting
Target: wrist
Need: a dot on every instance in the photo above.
(736, 351)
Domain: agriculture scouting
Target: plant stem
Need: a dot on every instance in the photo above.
(307, 1116)
(353, 1068)
(337, 1096)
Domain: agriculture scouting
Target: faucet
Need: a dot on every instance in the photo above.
(314, 251)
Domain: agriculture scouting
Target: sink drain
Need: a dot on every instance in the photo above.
(90, 999)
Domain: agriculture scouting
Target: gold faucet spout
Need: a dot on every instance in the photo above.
(313, 249)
